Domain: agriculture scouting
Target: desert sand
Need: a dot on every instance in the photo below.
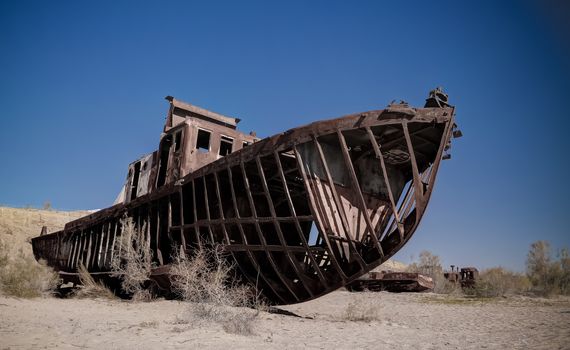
(19, 225)
(400, 321)
(404, 321)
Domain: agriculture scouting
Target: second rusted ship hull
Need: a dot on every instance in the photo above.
(395, 282)
(301, 213)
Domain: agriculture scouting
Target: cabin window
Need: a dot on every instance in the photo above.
(203, 141)
(245, 144)
(226, 144)
(177, 141)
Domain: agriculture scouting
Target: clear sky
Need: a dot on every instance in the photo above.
(82, 87)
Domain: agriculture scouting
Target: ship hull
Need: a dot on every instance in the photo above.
(395, 282)
(301, 213)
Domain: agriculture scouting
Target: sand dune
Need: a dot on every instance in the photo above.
(18, 225)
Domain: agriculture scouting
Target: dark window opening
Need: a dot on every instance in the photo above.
(245, 144)
(135, 181)
(226, 144)
(203, 141)
(177, 141)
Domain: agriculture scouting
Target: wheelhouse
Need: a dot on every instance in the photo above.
(192, 137)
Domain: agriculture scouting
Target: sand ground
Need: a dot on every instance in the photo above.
(404, 321)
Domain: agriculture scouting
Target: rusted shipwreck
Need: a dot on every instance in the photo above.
(301, 213)
(390, 281)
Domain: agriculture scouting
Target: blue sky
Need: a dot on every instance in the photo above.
(82, 87)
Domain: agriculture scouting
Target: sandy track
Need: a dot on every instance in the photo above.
(406, 321)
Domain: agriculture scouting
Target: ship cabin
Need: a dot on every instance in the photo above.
(192, 137)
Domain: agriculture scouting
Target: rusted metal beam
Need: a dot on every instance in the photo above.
(252, 258)
(195, 211)
(249, 220)
(292, 261)
(207, 205)
(339, 205)
(296, 219)
(316, 215)
(418, 190)
(361, 203)
(380, 157)
(285, 282)
(221, 209)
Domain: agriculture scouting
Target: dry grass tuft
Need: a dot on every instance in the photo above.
(497, 282)
(235, 320)
(149, 324)
(206, 280)
(430, 265)
(21, 276)
(361, 310)
(90, 289)
(240, 322)
(178, 330)
(132, 261)
(206, 277)
(443, 286)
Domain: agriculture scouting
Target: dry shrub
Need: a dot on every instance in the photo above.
(548, 277)
(47, 206)
(178, 330)
(496, 282)
(206, 277)
(90, 288)
(132, 260)
(443, 286)
(240, 322)
(206, 280)
(430, 265)
(235, 320)
(4, 252)
(565, 271)
(361, 310)
(22, 276)
(551, 283)
(149, 324)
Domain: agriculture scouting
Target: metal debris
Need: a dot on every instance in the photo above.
(394, 282)
(466, 276)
